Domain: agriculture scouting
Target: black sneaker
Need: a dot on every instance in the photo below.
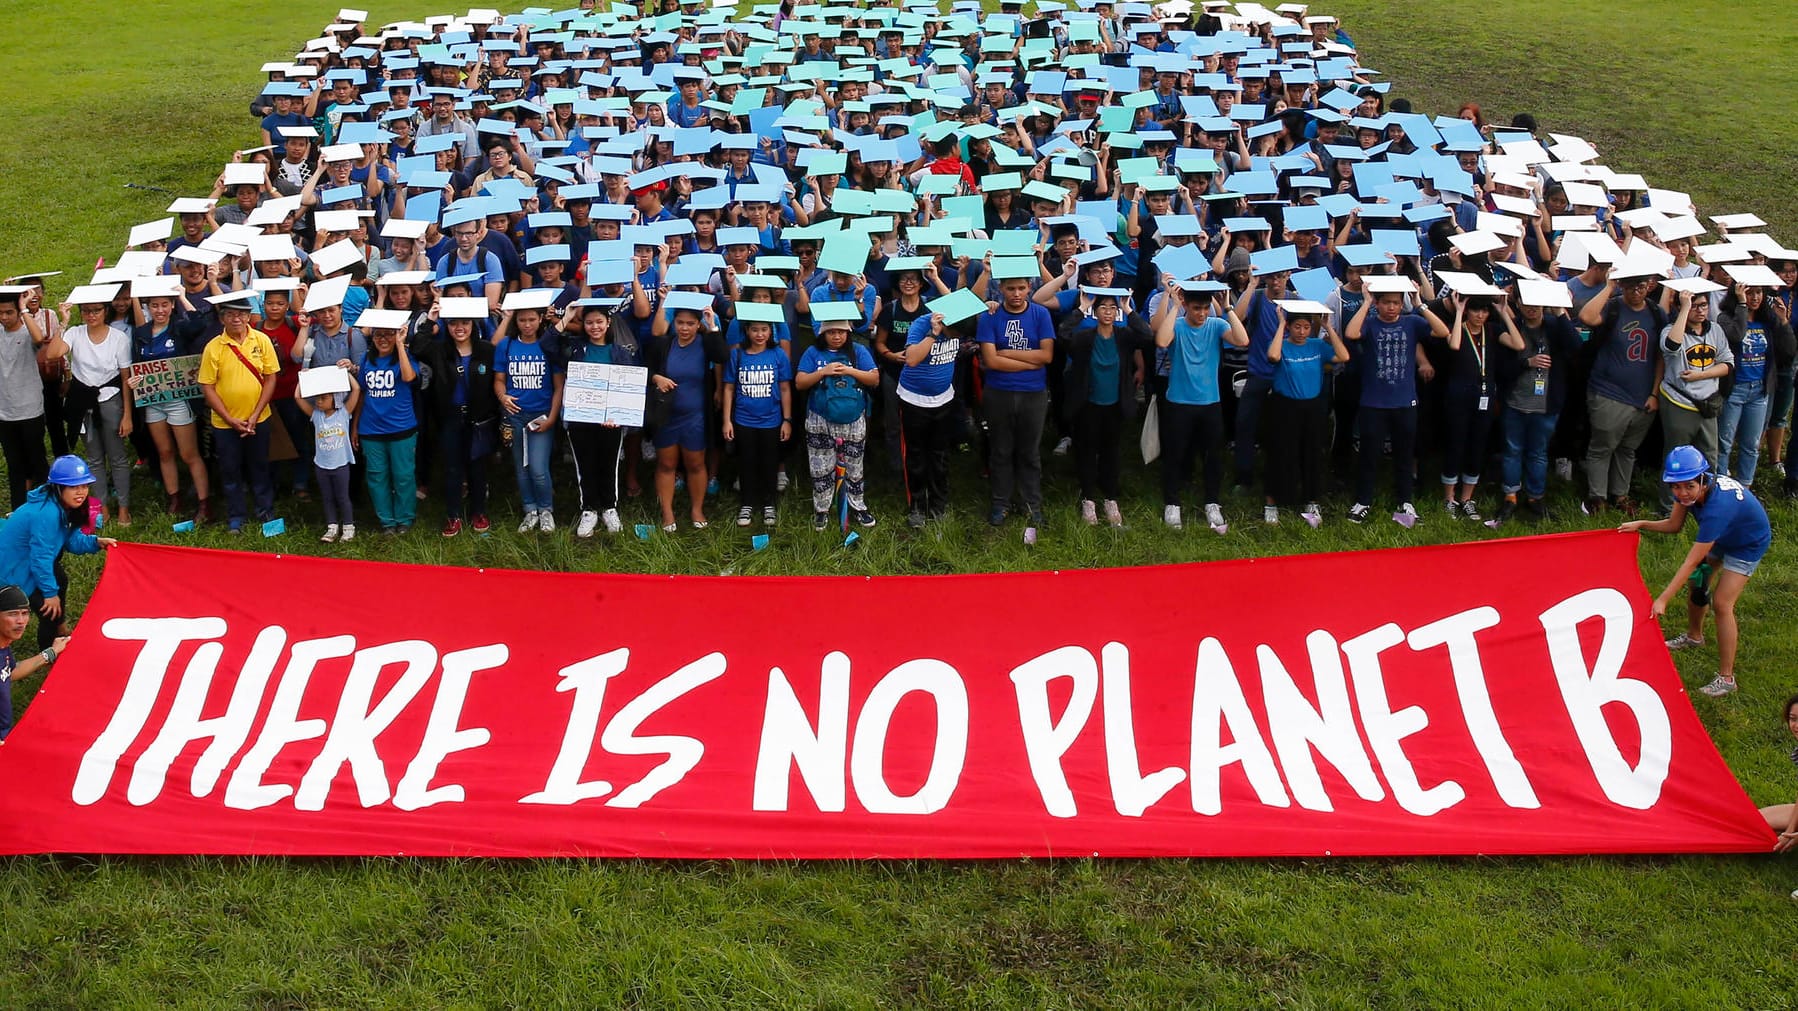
(1592, 506)
(1359, 513)
(865, 518)
(820, 521)
(1506, 510)
(915, 520)
(1535, 509)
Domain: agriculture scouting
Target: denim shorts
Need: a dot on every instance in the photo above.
(175, 412)
(1745, 566)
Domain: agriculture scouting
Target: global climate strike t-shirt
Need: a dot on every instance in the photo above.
(931, 382)
(528, 372)
(758, 377)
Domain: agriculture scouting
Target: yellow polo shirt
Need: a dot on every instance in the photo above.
(237, 386)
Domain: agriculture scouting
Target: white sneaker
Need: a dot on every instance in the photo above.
(1171, 516)
(1270, 515)
(780, 481)
(330, 533)
(745, 516)
(1062, 447)
(530, 521)
(769, 516)
(546, 521)
(1089, 512)
(611, 520)
(1719, 687)
(1683, 641)
(349, 532)
(1214, 517)
(1113, 515)
(589, 521)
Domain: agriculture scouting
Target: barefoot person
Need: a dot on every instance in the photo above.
(1733, 537)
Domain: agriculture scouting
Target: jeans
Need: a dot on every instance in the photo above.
(299, 432)
(1525, 465)
(334, 495)
(242, 456)
(1014, 421)
(1781, 414)
(531, 457)
(1744, 417)
(392, 472)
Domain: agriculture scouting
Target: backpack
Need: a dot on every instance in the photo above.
(839, 400)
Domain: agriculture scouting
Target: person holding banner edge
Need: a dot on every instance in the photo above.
(15, 614)
(34, 537)
(1733, 537)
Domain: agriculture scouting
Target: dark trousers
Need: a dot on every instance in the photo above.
(1014, 428)
(334, 494)
(299, 432)
(1294, 438)
(1248, 422)
(930, 434)
(245, 457)
(1096, 450)
(22, 443)
(758, 461)
(596, 460)
(60, 438)
(1187, 429)
(47, 628)
(459, 469)
(1377, 425)
(1465, 432)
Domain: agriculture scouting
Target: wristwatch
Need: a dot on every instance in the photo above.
(49, 655)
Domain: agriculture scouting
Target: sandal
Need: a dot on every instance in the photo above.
(669, 528)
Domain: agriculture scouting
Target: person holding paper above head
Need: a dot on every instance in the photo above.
(1622, 392)
(1763, 346)
(1696, 358)
(528, 377)
(597, 445)
(1733, 537)
(171, 424)
(331, 416)
(757, 413)
(1191, 412)
(1104, 345)
(99, 367)
(386, 429)
(1393, 360)
(237, 374)
(1470, 393)
(1298, 409)
(685, 368)
(1017, 342)
(467, 408)
(1536, 384)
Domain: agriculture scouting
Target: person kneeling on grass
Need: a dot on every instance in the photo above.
(15, 615)
(1733, 537)
(34, 538)
(332, 457)
(834, 370)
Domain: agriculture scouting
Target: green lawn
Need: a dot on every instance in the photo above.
(164, 85)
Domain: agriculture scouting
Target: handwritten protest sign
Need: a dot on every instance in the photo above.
(605, 394)
(165, 380)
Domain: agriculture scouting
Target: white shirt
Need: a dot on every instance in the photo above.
(98, 364)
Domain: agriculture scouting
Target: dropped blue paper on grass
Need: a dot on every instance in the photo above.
(643, 531)
(759, 541)
(183, 527)
(274, 527)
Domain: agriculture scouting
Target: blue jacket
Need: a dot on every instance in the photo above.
(33, 537)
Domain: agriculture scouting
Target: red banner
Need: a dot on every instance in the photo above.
(1498, 697)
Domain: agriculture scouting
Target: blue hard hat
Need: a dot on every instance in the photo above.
(70, 470)
(1685, 463)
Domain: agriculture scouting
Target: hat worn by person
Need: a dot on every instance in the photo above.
(69, 471)
(13, 599)
(1239, 260)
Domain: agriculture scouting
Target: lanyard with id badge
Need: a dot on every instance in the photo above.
(1479, 355)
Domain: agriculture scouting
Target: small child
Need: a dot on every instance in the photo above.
(332, 456)
(1298, 411)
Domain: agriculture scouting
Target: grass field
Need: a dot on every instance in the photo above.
(1693, 95)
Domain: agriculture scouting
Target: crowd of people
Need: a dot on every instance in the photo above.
(1203, 236)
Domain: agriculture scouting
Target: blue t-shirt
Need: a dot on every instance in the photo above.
(856, 356)
(1025, 331)
(528, 370)
(1389, 360)
(686, 366)
(386, 398)
(757, 377)
(331, 439)
(1261, 320)
(1751, 361)
(483, 262)
(931, 382)
(1192, 361)
(1299, 374)
(1102, 374)
(1623, 370)
(1734, 521)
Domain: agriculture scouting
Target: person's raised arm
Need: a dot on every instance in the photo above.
(1592, 313)
(1336, 345)
(1277, 346)
(1454, 334)
(1511, 338)
(1437, 327)
(1238, 334)
(404, 360)
(916, 353)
